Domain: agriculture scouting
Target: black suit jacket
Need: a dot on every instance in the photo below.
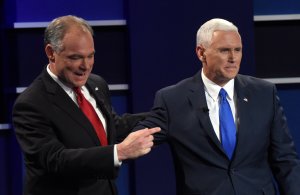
(264, 144)
(61, 149)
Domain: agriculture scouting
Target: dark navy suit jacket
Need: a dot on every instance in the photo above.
(264, 145)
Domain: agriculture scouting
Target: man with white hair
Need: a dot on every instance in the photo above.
(227, 132)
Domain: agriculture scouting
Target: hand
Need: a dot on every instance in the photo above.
(136, 144)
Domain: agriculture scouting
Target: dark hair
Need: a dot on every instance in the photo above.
(58, 27)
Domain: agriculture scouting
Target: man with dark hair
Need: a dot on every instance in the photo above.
(65, 123)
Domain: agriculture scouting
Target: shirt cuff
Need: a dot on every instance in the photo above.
(117, 163)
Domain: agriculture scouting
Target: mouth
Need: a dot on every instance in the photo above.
(231, 67)
(80, 74)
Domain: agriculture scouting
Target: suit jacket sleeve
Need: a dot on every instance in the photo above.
(158, 117)
(283, 156)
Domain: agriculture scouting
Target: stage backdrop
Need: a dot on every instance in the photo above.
(141, 47)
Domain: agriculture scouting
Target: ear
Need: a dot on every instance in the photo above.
(200, 50)
(50, 53)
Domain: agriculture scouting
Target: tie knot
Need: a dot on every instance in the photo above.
(79, 95)
(222, 93)
(77, 90)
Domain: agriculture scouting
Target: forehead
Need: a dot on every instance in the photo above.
(226, 38)
(78, 39)
(75, 33)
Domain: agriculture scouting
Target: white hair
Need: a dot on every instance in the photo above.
(205, 32)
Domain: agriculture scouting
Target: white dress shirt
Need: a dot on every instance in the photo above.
(212, 98)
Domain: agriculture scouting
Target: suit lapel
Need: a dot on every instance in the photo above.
(242, 107)
(197, 98)
(61, 99)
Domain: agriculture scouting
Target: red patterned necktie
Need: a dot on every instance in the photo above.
(91, 114)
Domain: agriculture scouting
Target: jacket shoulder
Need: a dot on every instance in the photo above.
(181, 85)
(97, 78)
(246, 80)
(97, 81)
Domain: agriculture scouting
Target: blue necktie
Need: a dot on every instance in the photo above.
(227, 126)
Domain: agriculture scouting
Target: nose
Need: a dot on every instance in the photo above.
(84, 63)
(231, 56)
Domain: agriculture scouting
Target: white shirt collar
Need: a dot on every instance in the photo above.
(213, 89)
(67, 89)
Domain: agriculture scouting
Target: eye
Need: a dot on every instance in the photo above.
(238, 49)
(224, 50)
(74, 57)
(91, 56)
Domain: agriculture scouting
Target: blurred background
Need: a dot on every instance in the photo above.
(142, 46)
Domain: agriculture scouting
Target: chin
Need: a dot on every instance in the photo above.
(80, 81)
(231, 75)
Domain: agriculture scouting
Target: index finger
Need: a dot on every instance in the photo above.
(146, 131)
(152, 130)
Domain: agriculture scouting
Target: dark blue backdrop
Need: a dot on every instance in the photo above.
(154, 49)
(270, 7)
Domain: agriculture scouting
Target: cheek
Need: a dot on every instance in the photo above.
(91, 65)
(216, 60)
(60, 65)
(222, 61)
(72, 64)
(91, 62)
(222, 58)
(240, 57)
